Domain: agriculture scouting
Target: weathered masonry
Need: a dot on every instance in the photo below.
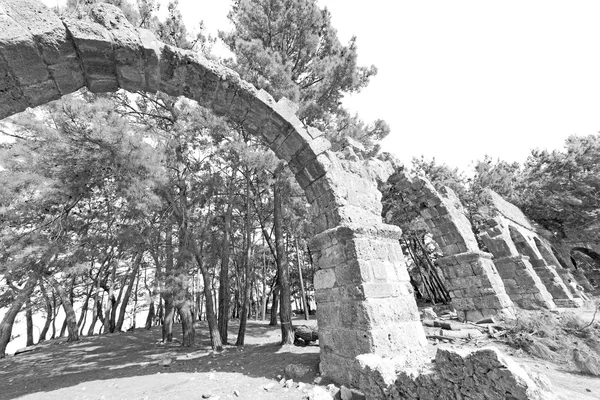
(475, 286)
(365, 300)
(531, 273)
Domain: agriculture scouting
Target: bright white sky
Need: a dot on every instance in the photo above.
(464, 78)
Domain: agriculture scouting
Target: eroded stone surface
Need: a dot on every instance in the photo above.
(470, 276)
(508, 235)
(465, 375)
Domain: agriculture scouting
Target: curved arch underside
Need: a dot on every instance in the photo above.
(362, 287)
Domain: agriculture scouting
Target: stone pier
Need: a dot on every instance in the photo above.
(366, 303)
(521, 282)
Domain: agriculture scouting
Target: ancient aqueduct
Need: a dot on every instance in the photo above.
(365, 299)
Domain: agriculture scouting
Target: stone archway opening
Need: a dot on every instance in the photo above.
(469, 274)
(364, 299)
(588, 262)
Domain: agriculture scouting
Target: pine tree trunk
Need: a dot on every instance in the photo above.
(167, 292)
(274, 306)
(263, 309)
(44, 331)
(84, 309)
(71, 318)
(246, 264)
(125, 302)
(29, 320)
(55, 314)
(97, 313)
(9, 318)
(224, 296)
(213, 326)
(304, 302)
(167, 328)
(285, 306)
(151, 315)
(187, 323)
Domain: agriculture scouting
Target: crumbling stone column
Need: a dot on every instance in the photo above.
(470, 276)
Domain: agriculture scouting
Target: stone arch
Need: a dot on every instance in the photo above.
(475, 287)
(587, 262)
(362, 287)
(576, 276)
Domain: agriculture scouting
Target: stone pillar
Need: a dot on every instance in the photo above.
(365, 300)
(551, 279)
(522, 284)
(475, 286)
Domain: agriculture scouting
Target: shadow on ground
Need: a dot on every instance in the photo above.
(58, 364)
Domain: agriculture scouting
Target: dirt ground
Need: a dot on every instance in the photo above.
(129, 366)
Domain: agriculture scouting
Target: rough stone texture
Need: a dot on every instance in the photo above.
(363, 292)
(475, 286)
(365, 300)
(521, 282)
(469, 275)
(586, 276)
(456, 375)
(547, 273)
(509, 234)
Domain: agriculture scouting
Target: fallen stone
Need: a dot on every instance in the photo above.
(289, 383)
(345, 393)
(269, 386)
(165, 362)
(296, 371)
(333, 390)
(236, 393)
(318, 393)
(428, 313)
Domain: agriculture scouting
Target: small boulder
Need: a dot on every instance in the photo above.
(428, 313)
(318, 393)
(296, 371)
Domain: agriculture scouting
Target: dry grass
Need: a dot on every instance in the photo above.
(557, 338)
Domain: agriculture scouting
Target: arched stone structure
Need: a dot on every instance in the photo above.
(545, 250)
(363, 291)
(509, 236)
(522, 284)
(561, 293)
(563, 251)
(590, 267)
(475, 287)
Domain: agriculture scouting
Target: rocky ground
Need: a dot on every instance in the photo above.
(135, 365)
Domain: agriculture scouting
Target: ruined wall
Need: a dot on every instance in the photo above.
(455, 375)
(513, 240)
(470, 276)
(362, 282)
(588, 276)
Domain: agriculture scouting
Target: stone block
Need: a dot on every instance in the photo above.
(52, 41)
(94, 46)
(324, 279)
(151, 52)
(127, 46)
